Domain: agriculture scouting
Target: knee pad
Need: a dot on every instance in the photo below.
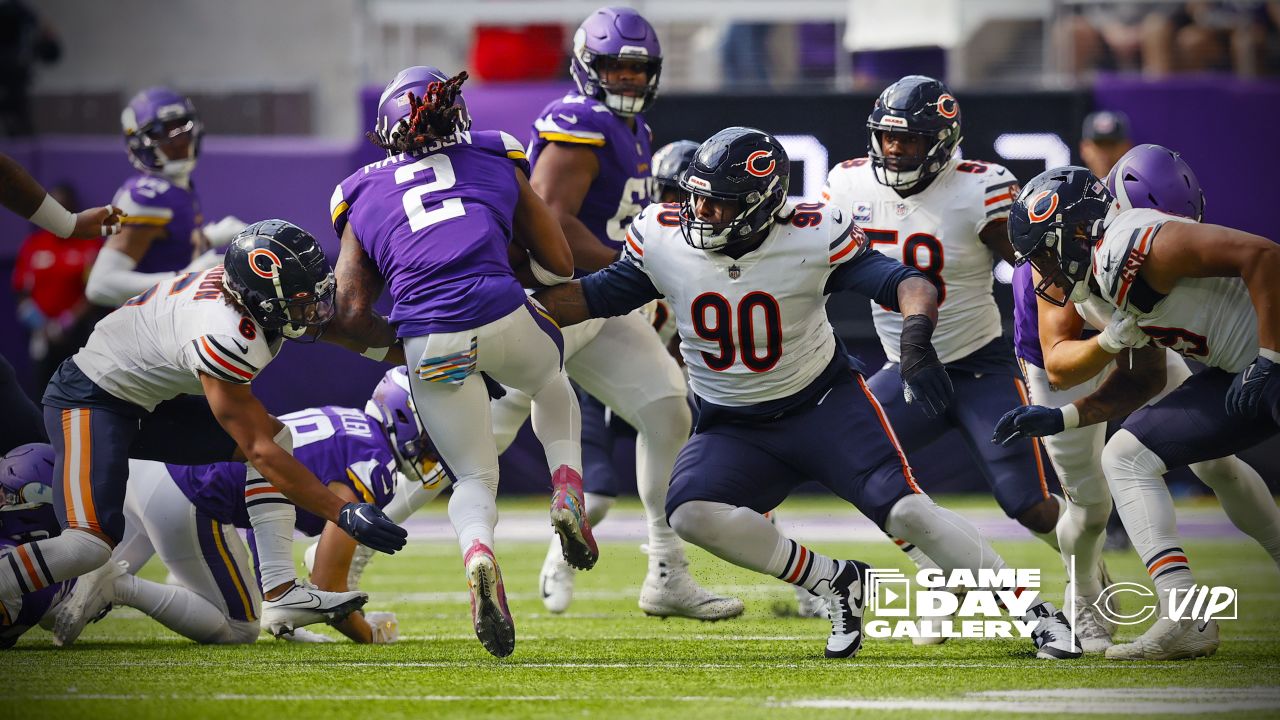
(86, 547)
(910, 516)
(1125, 458)
(665, 419)
(688, 518)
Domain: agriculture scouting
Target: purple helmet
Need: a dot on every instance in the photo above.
(26, 475)
(610, 35)
(1153, 176)
(392, 406)
(153, 118)
(393, 106)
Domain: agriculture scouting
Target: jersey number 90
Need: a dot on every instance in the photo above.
(713, 319)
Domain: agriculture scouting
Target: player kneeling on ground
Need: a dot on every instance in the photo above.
(166, 377)
(747, 275)
(26, 514)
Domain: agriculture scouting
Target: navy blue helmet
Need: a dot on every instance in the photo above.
(279, 273)
(739, 164)
(669, 162)
(1054, 224)
(915, 105)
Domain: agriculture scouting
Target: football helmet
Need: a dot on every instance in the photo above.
(393, 105)
(392, 406)
(152, 121)
(279, 274)
(1153, 176)
(26, 493)
(668, 163)
(1054, 224)
(614, 34)
(741, 164)
(920, 106)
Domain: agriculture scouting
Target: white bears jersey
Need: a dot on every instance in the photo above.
(936, 232)
(154, 347)
(753, 329)
(1211, 320)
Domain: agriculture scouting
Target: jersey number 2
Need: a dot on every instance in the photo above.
(713, 320)
(442, 178)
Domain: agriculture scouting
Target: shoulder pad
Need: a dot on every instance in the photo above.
(234, 358)
(149, 200)
(575, 120)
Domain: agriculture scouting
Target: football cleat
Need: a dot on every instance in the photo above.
(92, 594)
(304, 604)
(670, 591)
(569, 518)
(1170, 640)
(555, 582)
(303, 635)
(1093, 630)
(809, 605)
(844, 597)
(489, 613)
(1052, 634)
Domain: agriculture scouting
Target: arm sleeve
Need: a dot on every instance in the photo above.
(618, 289)
(113, 280)
(873, 275)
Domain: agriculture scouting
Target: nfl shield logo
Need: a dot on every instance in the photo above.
(735, 272)
(901, 209)
(862, 212)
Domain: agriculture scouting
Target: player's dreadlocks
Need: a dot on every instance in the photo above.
(432, 117)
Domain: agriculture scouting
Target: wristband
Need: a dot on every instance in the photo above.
(545, 276)
(53, 217)
(376, 353)
(1269, 354)
(1070, 416)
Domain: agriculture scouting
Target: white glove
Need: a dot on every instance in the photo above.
(221, 233)
(303, 635)
(386, 629)
(1122, 332)
(204, 261)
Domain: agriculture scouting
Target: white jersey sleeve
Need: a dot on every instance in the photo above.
(1211, 320)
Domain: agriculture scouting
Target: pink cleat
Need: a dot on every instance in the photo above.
(489, 612)
(569, 518)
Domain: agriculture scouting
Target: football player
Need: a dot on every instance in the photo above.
(26, 514)
(189, 515)
(21, 193)
(434, 220)
(778, 400)
(167, 377)
(161, 234)
(591, 163)
(1205, 291)
(1061, 367)
(946, 217)
(668, 163)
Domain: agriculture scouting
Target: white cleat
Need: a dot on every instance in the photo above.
(1052, 634)
(670, 591)
(555, 582)
(845, 599)
(92, 594)
(1170, 640)
(1093, 630)
(303, 635)
(809, 605)
(303, 604)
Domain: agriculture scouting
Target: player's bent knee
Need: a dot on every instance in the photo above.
(1126, 458)
(91, 549)
(691, 520)
(236, 632)
(668, 419)
(911, 515)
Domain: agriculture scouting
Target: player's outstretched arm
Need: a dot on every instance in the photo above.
(21, 193)
(1126, 389)
(1068, 360)
(562, 177)
(566, 303)
(537, 230)
(331, 568)
(355, 325)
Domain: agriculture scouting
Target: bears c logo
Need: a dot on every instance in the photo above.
(760, 155)
(1039, 210)
(263, 262)
(947, 106)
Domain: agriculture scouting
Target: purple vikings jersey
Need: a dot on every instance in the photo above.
(1026, 321)
(337, 444)
(153, 201)
(624, 186)
(437, 222)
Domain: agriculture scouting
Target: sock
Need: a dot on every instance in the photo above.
(557, 421)
(1245, 498)
(597, 506)
(1051, 538)
(37, 565)
(748, 539)
(272, 517)
(473, 512)
(173, 606)
(1082, 531)
(662, 428)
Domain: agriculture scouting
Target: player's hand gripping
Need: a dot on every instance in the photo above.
(1122, 332)
(1028, 421)
(925, 381)
(366, 523)
(1246, 392)
(97, 222)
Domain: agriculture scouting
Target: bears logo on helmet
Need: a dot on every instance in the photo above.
(757, 155)
(1033, 208)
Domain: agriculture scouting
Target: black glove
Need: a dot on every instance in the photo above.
(1245, 394)
(1027, 421)
(366, 523)
(924, 380)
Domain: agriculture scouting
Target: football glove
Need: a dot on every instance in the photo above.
(1122, 332)
(221, 233)
(1245, 395)
(366, 523)
(925, 381)
(1028, 421)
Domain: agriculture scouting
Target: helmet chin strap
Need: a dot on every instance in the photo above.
(178, 171)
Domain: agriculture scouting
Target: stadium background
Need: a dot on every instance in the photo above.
(286, 87)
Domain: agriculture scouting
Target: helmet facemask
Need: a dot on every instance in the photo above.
(1063, 263)
(902, 173)
(755, 211)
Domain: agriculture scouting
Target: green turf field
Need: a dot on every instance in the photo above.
(605, 659)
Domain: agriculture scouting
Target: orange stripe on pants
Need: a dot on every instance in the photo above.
(86, 471)
(888, 430)
(1035, 442)
(70, 500)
